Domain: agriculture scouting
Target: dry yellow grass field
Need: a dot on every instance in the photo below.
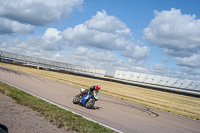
(179, 104)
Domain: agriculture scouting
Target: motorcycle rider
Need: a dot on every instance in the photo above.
(90, 90)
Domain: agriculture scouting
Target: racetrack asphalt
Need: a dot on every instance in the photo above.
(122, 115)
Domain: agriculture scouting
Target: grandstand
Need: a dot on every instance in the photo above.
(48, 64)
(159, 82)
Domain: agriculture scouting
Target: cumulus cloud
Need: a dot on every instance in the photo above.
(102, 31)
(94, 54)
(191, 61)
(106, 23)
(50, 40)
(178, 35)
(92, 57)
(51, 35)
(106, 32)
(190, 65)
(31, 47)
(158, 68)
(95, 41)
(17, 46)
(136, 52)
(192, 72)
(37, 12)
(9, 27)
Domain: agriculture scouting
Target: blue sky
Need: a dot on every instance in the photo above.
(147, 36)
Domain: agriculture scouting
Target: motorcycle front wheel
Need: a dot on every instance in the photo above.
(76, 99)
(90, 103)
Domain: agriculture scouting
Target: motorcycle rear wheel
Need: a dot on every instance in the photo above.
(90, 103)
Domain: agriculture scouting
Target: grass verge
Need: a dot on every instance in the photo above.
(56, 115)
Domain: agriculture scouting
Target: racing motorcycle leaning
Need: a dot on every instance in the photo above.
(88, 100)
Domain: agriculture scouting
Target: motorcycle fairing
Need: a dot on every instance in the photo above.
(85, 98)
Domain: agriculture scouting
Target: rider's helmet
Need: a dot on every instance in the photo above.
(98, 87)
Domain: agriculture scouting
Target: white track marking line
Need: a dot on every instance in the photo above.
(62, 107)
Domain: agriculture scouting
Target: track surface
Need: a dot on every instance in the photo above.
(122, 115)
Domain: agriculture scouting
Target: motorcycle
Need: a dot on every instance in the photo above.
(88, 100)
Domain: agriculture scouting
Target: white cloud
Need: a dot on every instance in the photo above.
(110, 33)
(31, 47)
(136, 52)
(94, 42)
(105, 23)
(158, 68)
(96, 55)
(95, 58)
(9, 27)
(37, 12)
(191, 61)
(102, 31)
(90, 57)
(51, 35)
(105, 32)
(50, 40)
(16, 45)
(178, 34)
(191, 72)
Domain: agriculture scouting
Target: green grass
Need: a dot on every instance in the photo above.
(55, 115)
